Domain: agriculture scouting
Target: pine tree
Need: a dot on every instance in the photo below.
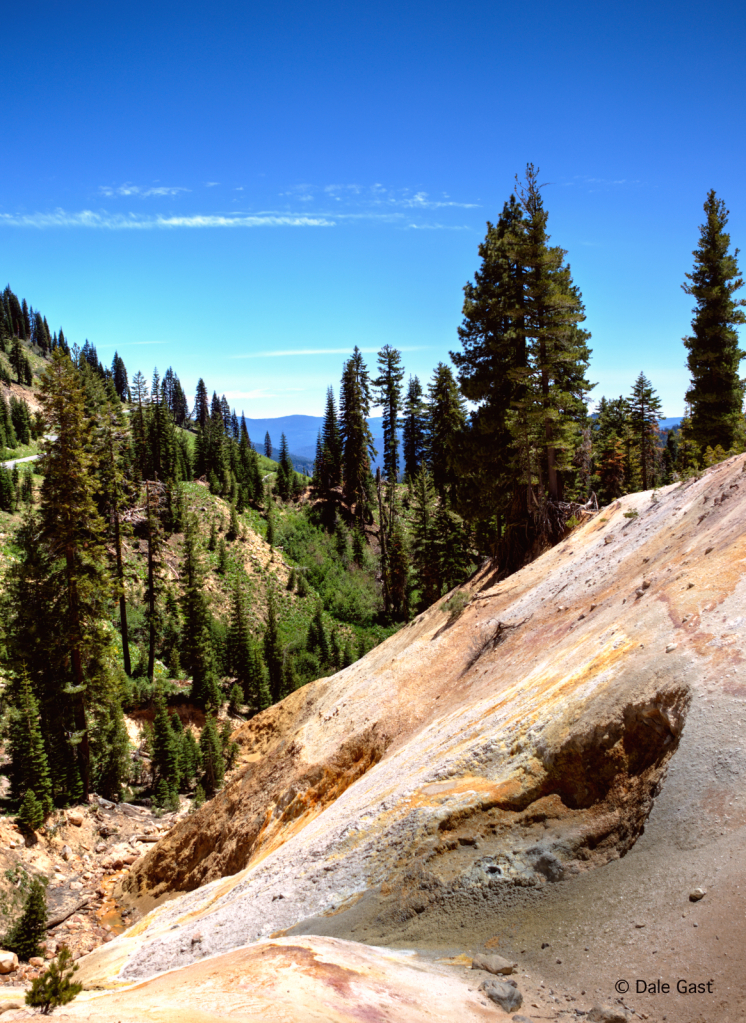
(240, 662)
(166, 751)
(154, 581)
(273, 650)
(327, 475)
(267, 445)
(644, 407)
(558, 353)
(425, 540)
(389, 397)
(357, 442)
(198, 652)
(716, 392)
(178, 404)
(285, 471)
(524, 363)
(191, 758)
(235, 699)
(358, 545)
(31, 812)
(71, 528)
(212, 757)
(332, 441)
(201, 405)
(611, 431)
(55, 986)
(222, 566)
(225, 410)
(398, 573)
(139, 421)
(26, 935)
(414, 433)
(29, 766)
(671, 457)
(234, 527)
(447, 420)
(492, 376)
(316, 639)
(161, 437)
(119, 377)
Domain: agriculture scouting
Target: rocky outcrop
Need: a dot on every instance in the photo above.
(482, 762)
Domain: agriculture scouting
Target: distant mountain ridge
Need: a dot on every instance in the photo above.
(301, 433)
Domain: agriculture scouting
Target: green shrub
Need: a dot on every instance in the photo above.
(455, 605)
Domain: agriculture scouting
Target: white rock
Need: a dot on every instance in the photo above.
(8, 962)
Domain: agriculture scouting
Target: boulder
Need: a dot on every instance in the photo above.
(8, 962)
(36, 961)
(493, 964)
(504, 993)
(607, 1014)
(76, 818)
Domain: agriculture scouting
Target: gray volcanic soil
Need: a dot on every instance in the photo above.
(590, 923)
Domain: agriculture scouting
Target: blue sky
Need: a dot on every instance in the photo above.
(205, 186)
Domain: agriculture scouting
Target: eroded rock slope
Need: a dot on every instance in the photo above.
(475, 761)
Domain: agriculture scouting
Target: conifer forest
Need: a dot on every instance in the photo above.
(162, 567)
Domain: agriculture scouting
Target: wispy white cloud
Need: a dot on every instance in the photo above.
(211, 184)
(143, 193)
(375, 196)
(581, 179)
(134, 222)
(438, 227)
(128, 344)
(320, 351)
(421, 200)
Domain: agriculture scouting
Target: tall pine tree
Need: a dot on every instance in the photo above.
(388, 395)
(357, 442)
(715, 394)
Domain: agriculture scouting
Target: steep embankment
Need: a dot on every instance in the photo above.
(457, 787)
